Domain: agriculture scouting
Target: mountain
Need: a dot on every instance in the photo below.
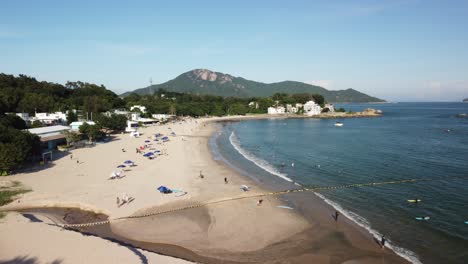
(201, 81)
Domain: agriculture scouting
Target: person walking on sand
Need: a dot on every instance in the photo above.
(225, 180)
(71, 156)
(336, 216)
(201, 175)
(77, 162)
(382, 241)
(259, 202)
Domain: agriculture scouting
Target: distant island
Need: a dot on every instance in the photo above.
(206, 82)
(465, 100)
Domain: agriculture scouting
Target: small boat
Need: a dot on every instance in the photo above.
(338, 124)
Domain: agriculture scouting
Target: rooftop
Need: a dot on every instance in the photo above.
(48, 129)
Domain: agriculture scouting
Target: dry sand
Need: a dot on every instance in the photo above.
(235, 231)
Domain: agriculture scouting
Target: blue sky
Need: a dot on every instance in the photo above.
(399, 50)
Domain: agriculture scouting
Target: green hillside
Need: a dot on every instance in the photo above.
(202, 81)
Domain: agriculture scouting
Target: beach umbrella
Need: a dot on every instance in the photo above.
(146, 141)
(128, 162)
(148, 154)
(121, 166)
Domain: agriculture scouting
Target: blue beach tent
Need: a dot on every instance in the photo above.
(164, 189)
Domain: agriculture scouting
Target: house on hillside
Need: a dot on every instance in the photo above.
(276, 110)
(50, 118)
(311, 108)
(291, 109)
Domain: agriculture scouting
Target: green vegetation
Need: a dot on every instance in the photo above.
(7, 196)
(16, 145)
(27, 95)
(184, 104)
(113, 122)
(215, 83)
(93, 132)
(340, 110)
(71, 137)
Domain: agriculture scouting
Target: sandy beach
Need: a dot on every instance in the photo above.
(237, 231)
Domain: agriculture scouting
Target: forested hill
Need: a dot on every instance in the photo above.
(202, 81)
(26, 94)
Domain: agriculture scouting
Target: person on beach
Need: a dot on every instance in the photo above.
(225, 180)
(71, 156)
(382, 241)
(201, 175)
(259, 202)
(336, 216)
(77, 162)
(123, 150)
(118, 201)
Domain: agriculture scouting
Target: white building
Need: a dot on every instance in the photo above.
(136, 118)
(311, 108)
(291, 109)
(75, 126)
(142, 108)
(132, 126)
(50, 118)
(161, 117)
(118, 112)
(276, 110)
(298, 105)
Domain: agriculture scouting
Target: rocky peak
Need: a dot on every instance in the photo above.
(207, 75)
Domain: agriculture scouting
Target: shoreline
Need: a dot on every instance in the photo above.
(327, 207)
(220, 227)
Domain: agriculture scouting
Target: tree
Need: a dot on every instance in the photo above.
(16, 147)
(71, 117)
(92, 131)
(114, 122)
(13, 121)
(36, 124)
(71, 137)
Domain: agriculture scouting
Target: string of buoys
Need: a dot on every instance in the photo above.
(258, 195)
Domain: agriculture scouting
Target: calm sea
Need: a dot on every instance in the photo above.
(410, 141)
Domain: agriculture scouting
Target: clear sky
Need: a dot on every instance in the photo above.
(399, 50)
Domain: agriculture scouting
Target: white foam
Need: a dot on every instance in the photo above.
(257, 161)
(362, 222)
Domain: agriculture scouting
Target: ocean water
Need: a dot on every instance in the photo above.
(410, 141)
